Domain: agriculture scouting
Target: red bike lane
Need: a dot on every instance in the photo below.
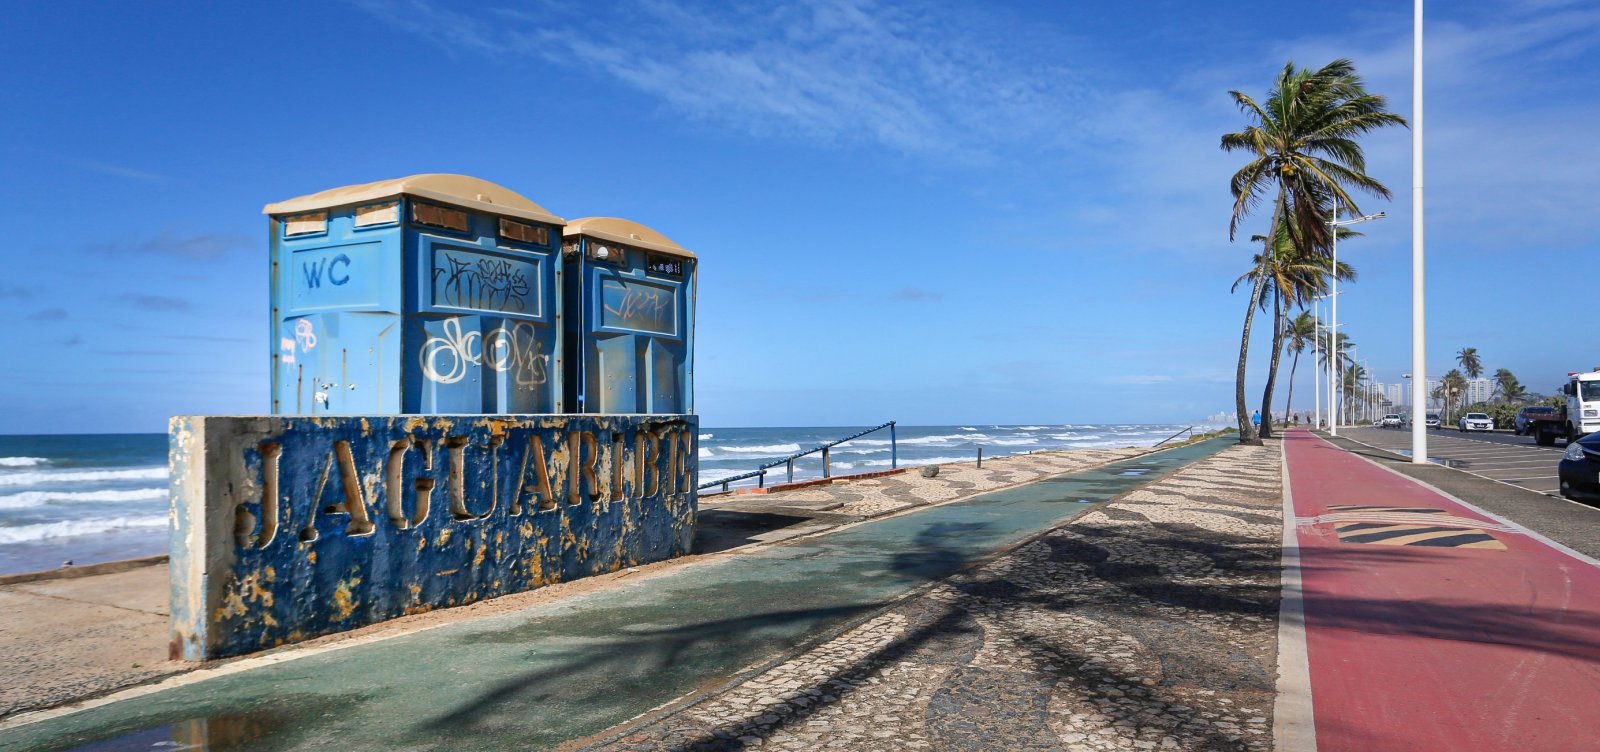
(1430, 624)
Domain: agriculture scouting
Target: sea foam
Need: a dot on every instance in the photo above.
(23, 461)
(28, 499)
(43, 530)
(81, 476)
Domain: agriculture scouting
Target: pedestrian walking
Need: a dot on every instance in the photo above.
(1255, 420)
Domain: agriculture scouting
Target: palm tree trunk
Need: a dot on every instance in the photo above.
(1278, 322)
(1294, 366)
(1247, 433)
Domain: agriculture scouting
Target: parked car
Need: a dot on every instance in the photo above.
(1580, 469)
(1521, 424)
(1475, 422)
(1432, 421)
(1392, 420)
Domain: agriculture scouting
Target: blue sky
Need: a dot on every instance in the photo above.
(931, 212)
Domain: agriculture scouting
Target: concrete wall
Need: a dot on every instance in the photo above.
(285, 528)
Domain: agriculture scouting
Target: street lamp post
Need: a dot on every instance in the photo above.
(1316, 350)
(1419, 365)
(1335, 224)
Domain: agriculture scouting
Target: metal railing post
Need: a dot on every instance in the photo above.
(980, 458)
(760, 473)
(894, 449)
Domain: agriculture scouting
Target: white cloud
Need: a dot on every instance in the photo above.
(918, 80)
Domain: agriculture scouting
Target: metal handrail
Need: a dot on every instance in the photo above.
(1189, 430)
(760, 473)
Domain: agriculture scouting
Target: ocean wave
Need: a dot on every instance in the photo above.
(847, 449)
(27, 499)
(941, 439)
(1031, 428)
(711, 476)
(1014, 442)
(706, 454)
(706, 436)
(1074, 437)
(80, 476)
(43, 530)
(23, 461)
(968, 428)
(917, 462)
(760, 448)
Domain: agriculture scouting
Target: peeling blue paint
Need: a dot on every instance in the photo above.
(285, 528)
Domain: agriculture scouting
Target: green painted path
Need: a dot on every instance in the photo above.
(550, 674)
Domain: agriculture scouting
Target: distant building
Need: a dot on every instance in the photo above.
(1480, 390)
(1398, 396)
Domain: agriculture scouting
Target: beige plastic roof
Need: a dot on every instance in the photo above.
(457, 190)
(625, 232)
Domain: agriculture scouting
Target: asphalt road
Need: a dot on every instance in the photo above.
(1507, 458)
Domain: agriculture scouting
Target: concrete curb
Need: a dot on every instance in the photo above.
(1293, 721)
(87, 570)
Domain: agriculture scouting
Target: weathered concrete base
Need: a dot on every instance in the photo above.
(285, 528)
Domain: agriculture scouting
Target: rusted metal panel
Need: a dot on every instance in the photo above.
(285, 528)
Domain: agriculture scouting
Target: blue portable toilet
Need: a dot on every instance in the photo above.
(426, 294)
(630, 312)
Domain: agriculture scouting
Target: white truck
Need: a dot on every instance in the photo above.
(1580, 416)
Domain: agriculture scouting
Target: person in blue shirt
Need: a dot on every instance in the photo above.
(1255, 419)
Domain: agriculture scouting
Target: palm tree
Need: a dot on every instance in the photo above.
(1301, 333)
(1468, 358)
(1294, 279)
(1335, 351)
(1507, 386)
(1451, 388)
(1303, 151)
(1351, 385)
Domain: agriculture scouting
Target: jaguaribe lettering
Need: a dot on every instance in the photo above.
(291, 527)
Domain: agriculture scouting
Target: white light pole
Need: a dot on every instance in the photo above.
(1419, 365)
(1316, 350)
(1335, 224)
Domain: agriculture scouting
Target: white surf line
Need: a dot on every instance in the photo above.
(1553, 493)
(1294, 724)
(1584, 558)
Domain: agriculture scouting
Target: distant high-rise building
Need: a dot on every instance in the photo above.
(1479, 390)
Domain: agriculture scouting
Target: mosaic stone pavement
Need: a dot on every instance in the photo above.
(1147, 624)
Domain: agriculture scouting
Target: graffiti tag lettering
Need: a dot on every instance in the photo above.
(487, 284)
(508, 348)
(641, 308)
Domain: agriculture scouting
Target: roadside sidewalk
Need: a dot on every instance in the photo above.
(1430, 623)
